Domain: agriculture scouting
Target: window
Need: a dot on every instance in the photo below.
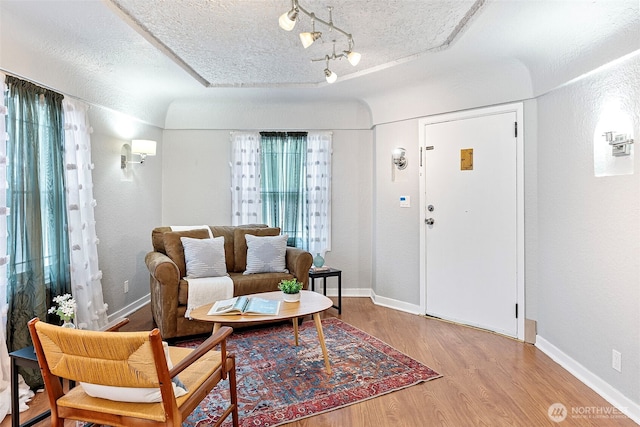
(284, 179)
(282, 183)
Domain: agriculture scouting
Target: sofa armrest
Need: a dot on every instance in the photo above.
(298, 263)
(164, 282)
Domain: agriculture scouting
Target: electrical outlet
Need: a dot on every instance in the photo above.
(616, 360)
(126, 286)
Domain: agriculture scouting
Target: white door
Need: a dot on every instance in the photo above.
(471, 229)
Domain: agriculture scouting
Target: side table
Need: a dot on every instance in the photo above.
(331, 272)
(24, 357)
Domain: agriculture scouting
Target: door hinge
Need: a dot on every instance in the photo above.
(516, 310)
(420, 156)
(515, 128)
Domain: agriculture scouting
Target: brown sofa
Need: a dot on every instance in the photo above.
(167, 267)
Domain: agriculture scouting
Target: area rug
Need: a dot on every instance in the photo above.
(279, 382)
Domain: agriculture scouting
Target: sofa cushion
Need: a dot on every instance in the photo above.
(174, 249)
(240, 244)
(266, 254)
(254, 283)
(204, 257)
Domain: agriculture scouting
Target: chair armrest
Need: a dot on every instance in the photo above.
(220, 337)
(115, 325)
(298, 263)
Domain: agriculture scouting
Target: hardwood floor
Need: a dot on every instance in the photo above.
(488, 379)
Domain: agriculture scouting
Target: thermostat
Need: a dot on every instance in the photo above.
(405, 201)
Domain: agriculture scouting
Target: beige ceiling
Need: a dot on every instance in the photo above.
(138, 56)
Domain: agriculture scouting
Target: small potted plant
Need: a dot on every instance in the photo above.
(290, 289)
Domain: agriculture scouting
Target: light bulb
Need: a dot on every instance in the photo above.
(288, 20)
(307, 39)
(330, 75)
(354, 58)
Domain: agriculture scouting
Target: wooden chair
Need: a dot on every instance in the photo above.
(129, 359)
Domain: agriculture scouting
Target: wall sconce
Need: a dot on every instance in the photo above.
(398, 156)
(620, 144)
(141, 147)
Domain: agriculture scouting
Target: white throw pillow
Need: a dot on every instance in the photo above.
(266, 254)
(135, 394)
(204, 257)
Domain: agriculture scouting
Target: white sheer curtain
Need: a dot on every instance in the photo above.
(246, 207)
(24, 392)
(86, 276)
(319, 191)
(5, 374)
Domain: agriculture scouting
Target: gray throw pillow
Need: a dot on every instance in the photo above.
(204, 257)
(266, 254)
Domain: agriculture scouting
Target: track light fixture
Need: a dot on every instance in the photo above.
(288, 21)
(308, 38)
(328, 74)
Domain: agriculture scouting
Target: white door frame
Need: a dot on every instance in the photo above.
(423, 143)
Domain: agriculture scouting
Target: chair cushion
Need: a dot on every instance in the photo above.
(266, 254)
(204, 257)
(240, 243)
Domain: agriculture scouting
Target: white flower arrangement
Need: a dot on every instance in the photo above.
(66, 308)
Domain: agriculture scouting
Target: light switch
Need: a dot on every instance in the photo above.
(405, 201)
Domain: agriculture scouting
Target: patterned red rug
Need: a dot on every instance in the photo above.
(279, 382)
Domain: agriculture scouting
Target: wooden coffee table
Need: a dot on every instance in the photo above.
(310, 303)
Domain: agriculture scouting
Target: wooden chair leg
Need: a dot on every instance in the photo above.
(234, 393)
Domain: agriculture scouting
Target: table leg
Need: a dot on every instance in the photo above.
(340, 293)
(216, 327)
(15, 403)
(295, 329)
(316, 318)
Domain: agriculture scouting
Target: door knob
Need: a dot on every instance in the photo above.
(429, 221)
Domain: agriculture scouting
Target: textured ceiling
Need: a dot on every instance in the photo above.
(139, 56)
(230, 43)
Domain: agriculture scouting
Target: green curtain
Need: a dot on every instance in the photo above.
(37, 225)
(282, 174)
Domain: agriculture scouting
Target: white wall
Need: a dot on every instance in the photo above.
(396, 262)
(196, 175)
(128, 207)
(589, 230)
(396, 245)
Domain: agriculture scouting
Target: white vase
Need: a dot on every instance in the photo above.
(291, 297)
(68, 324)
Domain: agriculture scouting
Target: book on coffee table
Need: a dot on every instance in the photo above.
(245, 305)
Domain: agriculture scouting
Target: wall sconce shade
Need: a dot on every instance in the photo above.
(141, 147)
(399, 159)
(144, 147)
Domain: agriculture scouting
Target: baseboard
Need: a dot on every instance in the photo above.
(346, 292)
(127, 310)
(530, 331)
(395, 304)
(604, 389)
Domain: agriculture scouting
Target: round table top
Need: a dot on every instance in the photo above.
(310, 303)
